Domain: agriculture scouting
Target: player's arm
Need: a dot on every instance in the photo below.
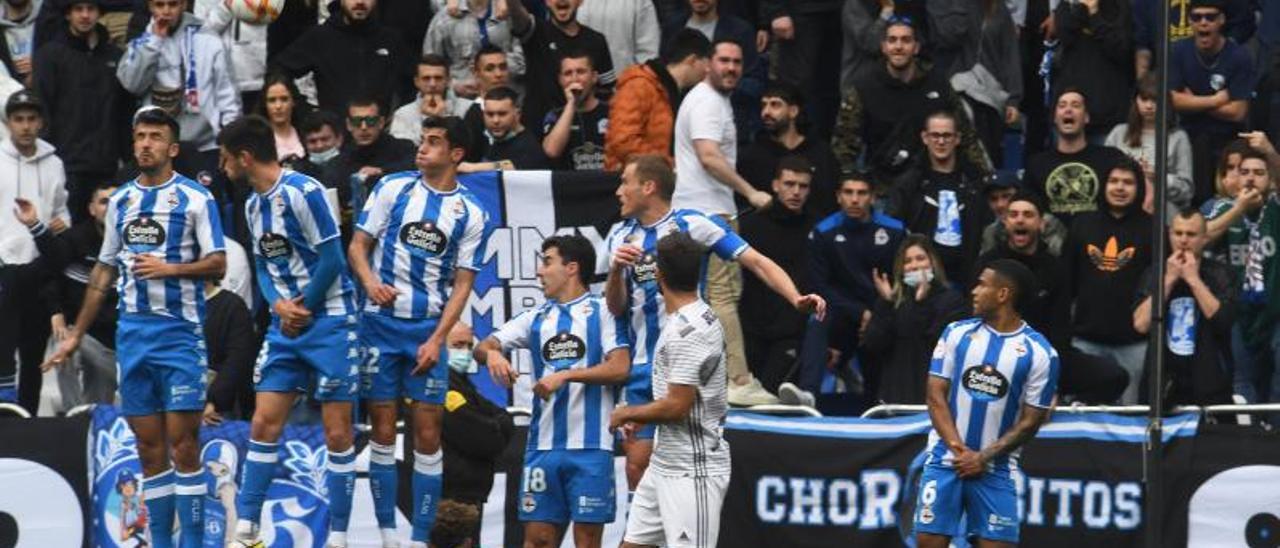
(613, 370)
(937, 398)
(489, 354)
(429, 352)
(1029, 421)
(358, 257)
(674, 407)
(101, 278)
(615, 289)
(209, 267)
(778, 280)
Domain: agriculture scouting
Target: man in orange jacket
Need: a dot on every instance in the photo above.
(642, 112)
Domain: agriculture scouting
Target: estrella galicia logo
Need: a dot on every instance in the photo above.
(645, 270)
(143, 234)
(274, 247)
(423, 238)
(985, 383)
(563, 350)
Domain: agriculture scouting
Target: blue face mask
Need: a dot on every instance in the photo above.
(460, 360)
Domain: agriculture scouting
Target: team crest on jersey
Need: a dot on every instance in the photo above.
(563, 350)
(172, 200)
(985, 383)
(882, 237)
(645, 270)
(274, 247)
(143, 234)
(423, 238)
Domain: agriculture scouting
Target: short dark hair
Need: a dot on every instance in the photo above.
(794, 163)
(1188, 213)
(574, 248)
(156, 116)
(1210, 4)
(366, 101)
(488, 49)
(503, 93)
(651, 167)
(680, 261)
(435, 60)
(574, 53)
(1072, 89)
(715, 44)
(250, 134)
(1127, 164)
(1018, 277)
(687, 42)
(788, 92)
(455, 131)
(856, 175)
(317, 120)
(455, 522)
(939, 113)
(1254, 154)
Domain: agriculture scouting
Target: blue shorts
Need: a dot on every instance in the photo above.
(329, 350)
(391, 353)
(639, 391)
(163, 364)
(563, 486)
(989, 504)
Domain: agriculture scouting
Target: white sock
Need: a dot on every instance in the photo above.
(336, 540)
(246, 530)
(389, 539)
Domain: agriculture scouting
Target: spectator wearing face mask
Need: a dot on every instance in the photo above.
(476, 431)
(915, 303)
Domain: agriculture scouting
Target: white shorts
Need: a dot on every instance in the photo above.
(676, 511)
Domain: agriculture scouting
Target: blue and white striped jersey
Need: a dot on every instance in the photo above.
(573, 335)
(288, 224)
(423, 236)
(644, 298)
(992, 374)
(176, 221)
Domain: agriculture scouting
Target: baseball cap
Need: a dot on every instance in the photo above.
(1001, 179)
(21, 99)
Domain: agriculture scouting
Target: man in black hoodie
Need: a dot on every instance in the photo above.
(371, 154)
(87, 109)
(1103, 259)
(352, 55)
(1096, 56)
(1069, 176)
(781, 109)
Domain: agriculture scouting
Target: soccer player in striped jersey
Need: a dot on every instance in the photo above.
(991, 385)
(679, 498)
(632, 288)
(579, 348)
(312, 340)
(426, 235)
(162, 240)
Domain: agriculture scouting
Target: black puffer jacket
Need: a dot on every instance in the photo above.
(86, 110)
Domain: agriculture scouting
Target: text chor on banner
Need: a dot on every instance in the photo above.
(831, 482)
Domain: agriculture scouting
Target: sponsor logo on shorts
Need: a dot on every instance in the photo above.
(985, 383)
(528, 504)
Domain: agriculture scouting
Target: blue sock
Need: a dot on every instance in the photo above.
(190, 495)
(157, 491)
(341, 483)
(428, 480)
(259, 469)
(382, 480)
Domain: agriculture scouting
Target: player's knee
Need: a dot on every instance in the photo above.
(426, 441)
(264, 429)
(338, 437)
(186, 453)
(539, 540)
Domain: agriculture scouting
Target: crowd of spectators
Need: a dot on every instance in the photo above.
(880, 151)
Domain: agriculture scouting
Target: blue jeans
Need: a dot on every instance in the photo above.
(1250, 377)
(1132, 357)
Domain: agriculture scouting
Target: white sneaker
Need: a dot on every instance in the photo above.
(389, 538)
(336, 540)
(790, 394)
(747, 395)
(246, 536)
(417, 545)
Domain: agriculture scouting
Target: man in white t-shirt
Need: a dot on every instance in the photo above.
(679, 498)
(706, 144)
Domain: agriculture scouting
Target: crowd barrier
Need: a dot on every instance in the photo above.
(797, 481)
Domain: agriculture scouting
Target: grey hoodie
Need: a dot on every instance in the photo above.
(18, 34)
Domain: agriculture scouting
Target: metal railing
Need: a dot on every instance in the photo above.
(14, 409)
(891, 409)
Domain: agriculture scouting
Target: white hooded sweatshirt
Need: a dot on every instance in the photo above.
(39, 179)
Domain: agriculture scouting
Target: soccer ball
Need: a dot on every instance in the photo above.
(256, 12)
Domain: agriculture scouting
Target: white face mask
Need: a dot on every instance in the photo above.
(321, 158)
(914, 278)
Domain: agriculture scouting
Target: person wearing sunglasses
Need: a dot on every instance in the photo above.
(1211, 79)
(372, 152)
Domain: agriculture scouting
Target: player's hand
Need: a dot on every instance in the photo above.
(150, 267)
(811, 303)
(549, 385)
(620, 418)
(428, 356)
(62, 353)
(884, 287)
(382, 294)
(626, 255)
(500, 369)
(211, 415)
(969, 463)
(294, 317)
(25, 212)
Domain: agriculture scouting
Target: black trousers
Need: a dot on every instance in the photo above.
(771, 360)
(24, 330)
